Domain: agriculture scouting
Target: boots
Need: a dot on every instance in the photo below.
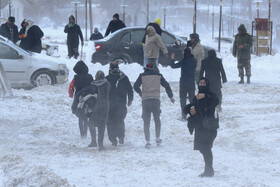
(241, 80)
(248, 80)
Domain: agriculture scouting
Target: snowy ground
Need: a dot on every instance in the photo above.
(40, 143)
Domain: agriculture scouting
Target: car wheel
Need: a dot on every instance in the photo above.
(42, 78)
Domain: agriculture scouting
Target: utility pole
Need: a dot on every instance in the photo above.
(194, 18)
(86, 17)
(269, 10)
(220, 25)
(90, 16)
(123, 10)
(147, 11)
(10, 8)
(164, 14)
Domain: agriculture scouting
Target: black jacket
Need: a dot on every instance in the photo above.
(121, 88)
(33, 39)
(82, 78)
(23, 41)
(114, 26)
(96, 36)
(214, 71)
(156, 27)
(73, 34)
(187, 65)
(151, 82)
(205, 108)
(5, 31)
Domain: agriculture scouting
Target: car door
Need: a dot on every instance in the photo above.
(125, 41)
(170, 43)
(136, 47)
(14, 65)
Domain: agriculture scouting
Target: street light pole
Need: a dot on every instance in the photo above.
(90, 17)
(86, 18)
(123, 10)
(76, 2)
(147, 11)
(164, 13)
(194, 18)
(10, 8)
(269, 9)
(220, 25)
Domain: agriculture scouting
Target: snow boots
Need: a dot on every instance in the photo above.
(248, 80)
(241, 80)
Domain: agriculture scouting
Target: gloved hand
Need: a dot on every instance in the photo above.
(82, 43)
(129, 103)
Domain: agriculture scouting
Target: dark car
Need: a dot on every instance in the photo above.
(125, 46)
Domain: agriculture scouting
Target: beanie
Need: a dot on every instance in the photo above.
(116, 16)
(158, 21)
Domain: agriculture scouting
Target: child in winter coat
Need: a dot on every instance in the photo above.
(81, 80)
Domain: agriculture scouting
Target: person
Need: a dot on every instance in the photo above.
(10, 30)
(153, 43)
(32, 37)
(114, 25)
(198, 53)
(99, 116)
(156, 24)
(121, 93)
(23, 41)
(150, 94)
(73, 31)
(203, 106)
(242, 50)
(214, 72)
(187, 79)
(81, 80)
(96, 35)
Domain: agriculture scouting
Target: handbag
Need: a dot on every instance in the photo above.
(211, 123)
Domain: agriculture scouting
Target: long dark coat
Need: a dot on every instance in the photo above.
(33, 39)
(73, 34)
(214, 72)
(205, 108)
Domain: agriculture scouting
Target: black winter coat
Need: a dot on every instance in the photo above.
(187, 65)
(82, 78)
(73, 34)
(33, 39)
(114, 26)
(205, 108)
(121, 89)
(156, 27)
(23, 41)
(214, 71)
(96, 36)
(5, 31)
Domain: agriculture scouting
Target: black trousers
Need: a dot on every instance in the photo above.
(116, 125)
(83, 125)
(73, 51)
(184, 94)
(208, 160)
(151, 106)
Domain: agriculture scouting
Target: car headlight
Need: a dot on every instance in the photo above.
(62, 67)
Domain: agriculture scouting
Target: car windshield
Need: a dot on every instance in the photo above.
(17, 47)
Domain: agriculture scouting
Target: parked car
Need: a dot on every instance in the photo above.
(125, 46)
(25, 69)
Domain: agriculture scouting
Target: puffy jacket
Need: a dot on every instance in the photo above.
(153, 44)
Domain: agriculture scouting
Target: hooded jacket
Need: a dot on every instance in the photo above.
(198, 53)
(156, 26)
(73, 33)
(214, 71)
(244, 39)
(153, 43)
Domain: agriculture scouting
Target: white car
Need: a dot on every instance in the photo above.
(25, 69)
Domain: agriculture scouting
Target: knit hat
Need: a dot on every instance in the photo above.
(195, 36)
(158, 21)
(12, 19)
(116, 16)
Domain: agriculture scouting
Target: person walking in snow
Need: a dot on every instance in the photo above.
(73, 31)
(187, 79)
(203, 107)
(121, 94)
(156, 24)
(242, 50)
(96, 35)
(151, 81)
(214, 72)
(32, 36)
(198, 53)
(10, 30)
(81, 80)
(99, 117)
(114, 25)
(153, 44)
